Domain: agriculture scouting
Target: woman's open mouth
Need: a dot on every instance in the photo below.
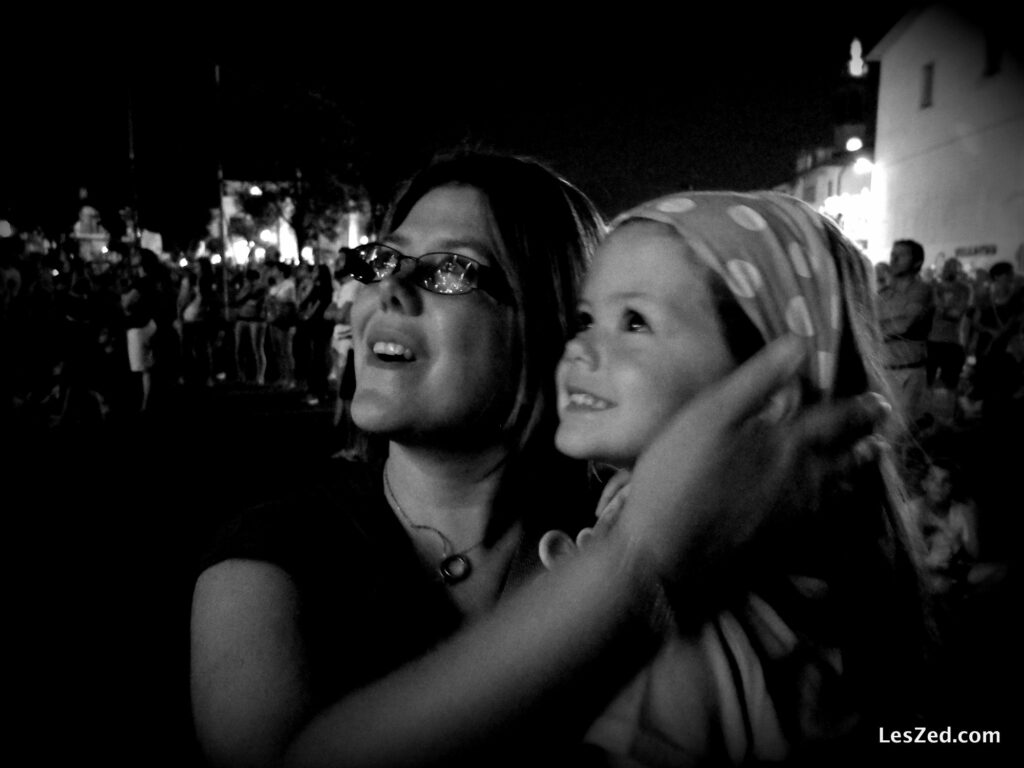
(392, 352)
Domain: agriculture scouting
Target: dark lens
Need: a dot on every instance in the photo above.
(373, 263)
(448, 273)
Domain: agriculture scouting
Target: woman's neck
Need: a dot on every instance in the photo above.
(453, 492)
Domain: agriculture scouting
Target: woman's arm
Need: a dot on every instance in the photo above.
(249, 686)
(539, 667)
(548, 658)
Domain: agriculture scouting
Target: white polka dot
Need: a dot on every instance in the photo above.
(796, 255)
(747, 218)
(814, 257)
(676, 205)
(826, 363)
(835, 310)
(798, 319)
(743, 278)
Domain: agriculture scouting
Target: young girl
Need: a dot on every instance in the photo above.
(683, 290)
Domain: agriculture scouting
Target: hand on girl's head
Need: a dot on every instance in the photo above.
(739, 473)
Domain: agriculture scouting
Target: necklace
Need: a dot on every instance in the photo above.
(454, 566)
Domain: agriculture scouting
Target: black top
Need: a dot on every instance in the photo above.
(366, 603)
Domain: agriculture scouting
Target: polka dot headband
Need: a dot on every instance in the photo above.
(776, 255)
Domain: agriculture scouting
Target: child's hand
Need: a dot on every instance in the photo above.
(555, 545)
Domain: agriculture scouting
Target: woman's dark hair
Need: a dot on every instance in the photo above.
(546, 231)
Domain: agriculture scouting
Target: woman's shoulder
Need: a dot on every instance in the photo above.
(307, 528)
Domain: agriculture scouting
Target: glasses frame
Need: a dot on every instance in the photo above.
(486, 278)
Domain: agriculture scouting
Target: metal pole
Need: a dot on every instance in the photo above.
(133, 175)
(220, 201)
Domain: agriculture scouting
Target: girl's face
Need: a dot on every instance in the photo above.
(430, 366)
(649, 339)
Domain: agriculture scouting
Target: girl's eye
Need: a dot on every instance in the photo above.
(633, 321)
(582, 322)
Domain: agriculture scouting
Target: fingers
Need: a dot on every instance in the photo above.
(837, 427)
(555, 546)
(612, 489)
(746, 390)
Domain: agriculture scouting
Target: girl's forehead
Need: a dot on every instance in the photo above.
(645, 252)
(647, 261)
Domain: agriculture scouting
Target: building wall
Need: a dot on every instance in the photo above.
(950, 175)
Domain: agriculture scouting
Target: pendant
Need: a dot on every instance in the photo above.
(455, 568)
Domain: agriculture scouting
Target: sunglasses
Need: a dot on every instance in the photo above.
(449, 274)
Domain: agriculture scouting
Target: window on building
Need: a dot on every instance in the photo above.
(927, 84)
(810, 191)
(829, 189)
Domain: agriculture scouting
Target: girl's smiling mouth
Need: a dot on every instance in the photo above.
(574, 399)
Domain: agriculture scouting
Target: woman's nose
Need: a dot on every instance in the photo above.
(397, 293)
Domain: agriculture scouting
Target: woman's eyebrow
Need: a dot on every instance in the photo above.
(466, 243)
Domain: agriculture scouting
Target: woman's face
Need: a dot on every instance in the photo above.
(650, 339)
(431, 367)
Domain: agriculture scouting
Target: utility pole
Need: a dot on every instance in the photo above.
(220, 198)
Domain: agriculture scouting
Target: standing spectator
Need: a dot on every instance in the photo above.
(314, 330)
(281, 315)
(997, 322)
(197, 314)
(138, 301)
(345, 287)
(883, 275)
(946, 353)
(251, 326)
(905, 314)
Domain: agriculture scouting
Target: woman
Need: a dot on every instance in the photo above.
(400, 616)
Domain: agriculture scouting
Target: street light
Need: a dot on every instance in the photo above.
(861, 166)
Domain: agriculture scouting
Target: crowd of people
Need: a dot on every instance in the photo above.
(99, 340)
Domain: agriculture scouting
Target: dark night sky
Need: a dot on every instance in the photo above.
(626, 109)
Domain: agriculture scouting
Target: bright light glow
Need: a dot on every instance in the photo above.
(269, 236)
(183, 262)
(364, 240)
(255, 191)
(104, 249)
(353, 229)
(289, 243)
(260, 253)
(307, 254)
(215, 259)
(239, 251)
(201, 250)
(857, 67)
(879, 236)
(54, 272)
(855, 212)
(862, 166)
(853, 144)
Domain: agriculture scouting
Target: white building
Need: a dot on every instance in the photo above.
(949, 142)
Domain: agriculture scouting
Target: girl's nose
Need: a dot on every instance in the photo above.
(581, 349)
